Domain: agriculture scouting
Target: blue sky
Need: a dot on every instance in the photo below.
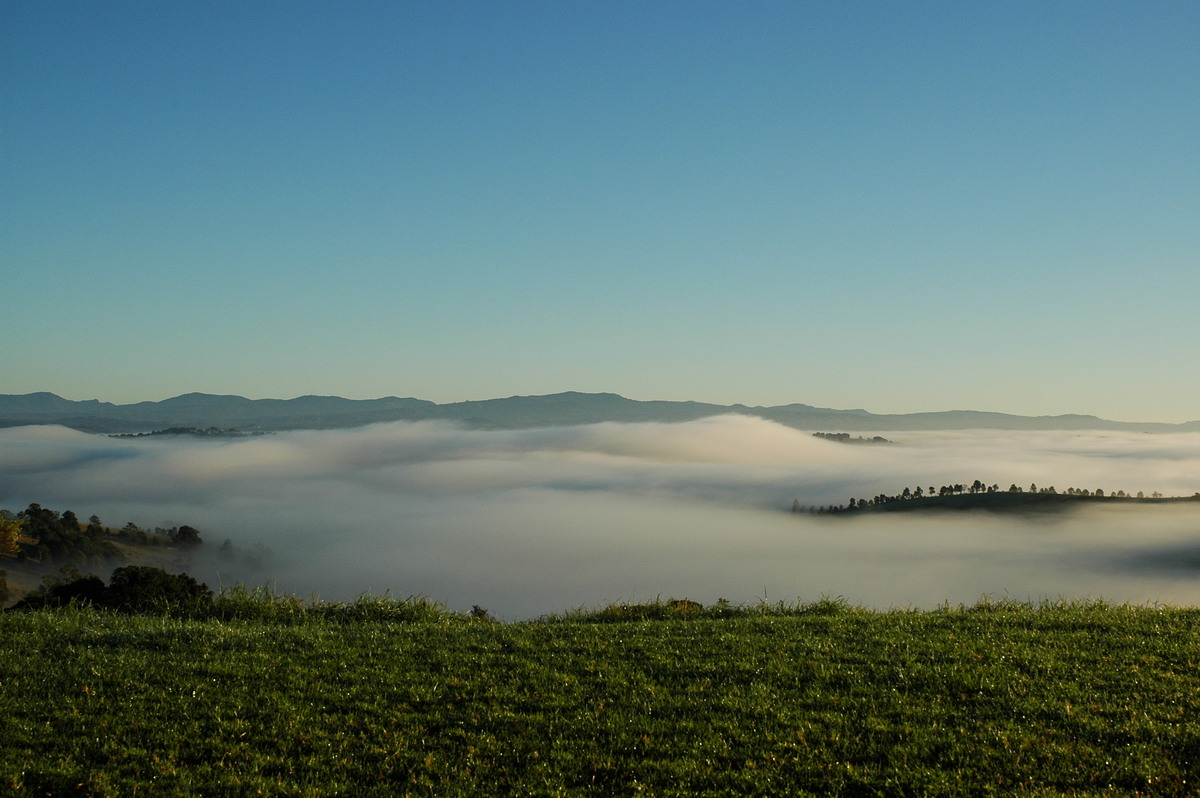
(896, 206)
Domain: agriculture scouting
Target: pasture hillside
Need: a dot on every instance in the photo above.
(266, 695)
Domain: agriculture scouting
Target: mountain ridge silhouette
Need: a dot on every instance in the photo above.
(203, 410)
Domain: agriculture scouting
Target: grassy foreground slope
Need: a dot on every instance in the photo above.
(665, 700)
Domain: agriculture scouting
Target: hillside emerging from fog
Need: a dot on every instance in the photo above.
(204, 411)
(999, 502)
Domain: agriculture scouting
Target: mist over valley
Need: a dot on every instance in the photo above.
(543, 519)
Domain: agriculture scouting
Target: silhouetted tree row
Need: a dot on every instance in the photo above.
(844, 437)
(210, 432)
(976, 487)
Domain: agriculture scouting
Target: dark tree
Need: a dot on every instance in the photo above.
(85, 590)
(139, 588)
(186, 536)
(133, 533)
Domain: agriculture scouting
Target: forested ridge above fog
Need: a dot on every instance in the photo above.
(204, 411)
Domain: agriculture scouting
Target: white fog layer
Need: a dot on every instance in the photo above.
(533, 521)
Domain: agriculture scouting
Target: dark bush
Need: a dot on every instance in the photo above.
(140, 588)
(70, 588)
(87, 590)
(131, 589)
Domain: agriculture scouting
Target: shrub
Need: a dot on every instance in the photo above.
(131, 589)
(138, 588)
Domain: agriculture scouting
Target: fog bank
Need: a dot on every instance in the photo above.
(531, 521)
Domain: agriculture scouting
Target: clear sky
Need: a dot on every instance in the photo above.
(897, 206)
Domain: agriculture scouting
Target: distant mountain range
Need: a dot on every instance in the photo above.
(204, 411)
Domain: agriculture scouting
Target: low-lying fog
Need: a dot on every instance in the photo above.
(533, 521)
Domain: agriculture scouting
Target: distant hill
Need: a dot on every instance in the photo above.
(204, 411)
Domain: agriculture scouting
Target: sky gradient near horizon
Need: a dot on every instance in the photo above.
(901, 207)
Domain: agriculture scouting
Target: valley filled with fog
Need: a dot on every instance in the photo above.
(526, 522)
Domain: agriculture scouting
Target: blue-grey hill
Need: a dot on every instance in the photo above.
(202, 411)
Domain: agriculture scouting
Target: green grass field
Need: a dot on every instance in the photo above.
(267, 696)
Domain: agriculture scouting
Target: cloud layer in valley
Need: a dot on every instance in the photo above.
(532, 521)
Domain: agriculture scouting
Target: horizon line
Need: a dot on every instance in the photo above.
(608, 394)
